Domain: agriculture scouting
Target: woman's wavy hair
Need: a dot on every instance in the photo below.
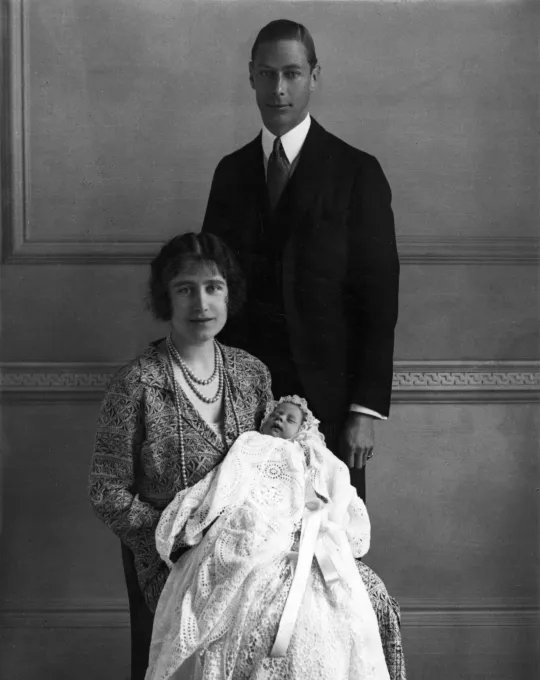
(204, 248)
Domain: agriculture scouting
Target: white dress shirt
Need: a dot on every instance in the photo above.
(292, 143)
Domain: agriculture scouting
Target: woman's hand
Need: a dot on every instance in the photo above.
(358, 440)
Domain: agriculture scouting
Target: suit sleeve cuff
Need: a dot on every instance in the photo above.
(369, 412)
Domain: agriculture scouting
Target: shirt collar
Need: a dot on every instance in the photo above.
(291, 141)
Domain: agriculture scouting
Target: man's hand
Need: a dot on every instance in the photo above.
(358, 439)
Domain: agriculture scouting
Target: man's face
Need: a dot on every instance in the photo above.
(284, 421)
(283, 82)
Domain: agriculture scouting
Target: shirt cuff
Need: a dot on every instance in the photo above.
(369, 412)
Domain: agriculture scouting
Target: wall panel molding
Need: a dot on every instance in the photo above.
(22, 246)
(468, 250)
(416, 382)
(412, 250)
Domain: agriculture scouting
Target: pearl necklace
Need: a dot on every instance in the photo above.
(176, 395)
(192, 380)
(187, 370)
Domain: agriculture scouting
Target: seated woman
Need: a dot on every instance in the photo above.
(270, 588)
(170, 416)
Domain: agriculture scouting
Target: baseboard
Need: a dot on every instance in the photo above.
(114, 614)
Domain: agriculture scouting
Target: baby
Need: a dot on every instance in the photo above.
(269, 587)
(285, 420)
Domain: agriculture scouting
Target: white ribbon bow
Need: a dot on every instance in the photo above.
(320, 538)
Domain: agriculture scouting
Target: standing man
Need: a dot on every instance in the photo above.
(310, 219)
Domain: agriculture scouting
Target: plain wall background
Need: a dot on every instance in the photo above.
(119, 112)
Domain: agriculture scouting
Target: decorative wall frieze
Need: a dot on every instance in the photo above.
(466, 381)
(54, 379)
(417, 382)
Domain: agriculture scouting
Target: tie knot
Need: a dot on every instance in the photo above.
(278, 150)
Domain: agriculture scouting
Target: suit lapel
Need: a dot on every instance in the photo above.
(306, 183)
(305, 206)
(248, 201)
(252, 177)
(299, 206)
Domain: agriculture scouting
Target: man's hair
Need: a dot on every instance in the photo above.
(206, 249)
(284, 29)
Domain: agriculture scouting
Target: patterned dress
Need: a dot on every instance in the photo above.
(136, 470)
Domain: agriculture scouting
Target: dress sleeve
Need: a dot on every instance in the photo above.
(358, 527)
(182, 523)
(193, 510)
(347, 509)
(120, 433)
(267, 396)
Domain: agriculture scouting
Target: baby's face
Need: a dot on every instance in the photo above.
(284, 421)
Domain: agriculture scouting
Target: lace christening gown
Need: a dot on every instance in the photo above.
(222, 605)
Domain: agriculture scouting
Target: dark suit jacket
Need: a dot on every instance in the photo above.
(340, 268)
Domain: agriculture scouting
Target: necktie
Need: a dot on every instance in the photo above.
(277, 172)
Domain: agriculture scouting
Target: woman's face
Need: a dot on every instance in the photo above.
(198, 295)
